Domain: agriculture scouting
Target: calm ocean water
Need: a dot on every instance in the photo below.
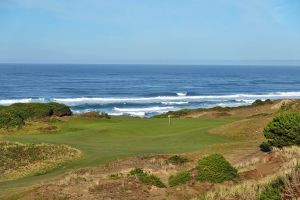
(145, 90)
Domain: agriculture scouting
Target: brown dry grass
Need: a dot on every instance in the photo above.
(19, 160)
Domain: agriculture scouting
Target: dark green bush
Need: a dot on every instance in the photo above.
(272, 191)
(10, 120)
(214, 168)
(59, 109)
(177, 160)
(31, 110)
(284, 130)
(259, 102)
(179, 178)
(147, 178)
(16, 114)
(265, 146)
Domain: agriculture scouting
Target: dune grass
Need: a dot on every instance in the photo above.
(103, 140)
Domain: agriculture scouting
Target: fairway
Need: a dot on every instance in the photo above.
(102, 140)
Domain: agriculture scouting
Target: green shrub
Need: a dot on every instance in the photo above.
(214, 168)
(284, 130)
(179, 178)
(59, 110)
(259, 102)
(16, 114)
(147, 178)
(10, 119)
(272, 191)
(177, 160)
(265, 146)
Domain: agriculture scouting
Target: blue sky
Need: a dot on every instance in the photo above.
(149, 31)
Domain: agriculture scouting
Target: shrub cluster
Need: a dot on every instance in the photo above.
(259, 102)
(177, 160)
(284, 130)
(147, 178)
(214, 168)
(179, 178)
(15, 115)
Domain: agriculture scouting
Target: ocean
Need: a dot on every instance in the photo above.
(145, 90)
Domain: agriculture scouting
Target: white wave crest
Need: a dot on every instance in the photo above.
(247, 98)
(181, 93)
(174, 102)
(7, 102)
(238, 97)
(148, 109)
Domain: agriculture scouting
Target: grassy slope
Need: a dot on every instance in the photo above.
(104, 140)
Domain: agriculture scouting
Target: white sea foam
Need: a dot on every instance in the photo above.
(238, 97)
(147, 109)
(7, 102)
(181, 93)
(174, 102)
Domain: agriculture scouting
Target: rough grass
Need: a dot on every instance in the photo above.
(19, 160)
(177, 160)
(147, 178)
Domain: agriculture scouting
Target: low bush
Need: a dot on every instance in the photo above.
(177, 160)
(147, 178)
(214, 168)
(15, 115)
(284, 130)
(179, 178)
(59, 109)
(259, 102)
(10, 120)
(265, 146)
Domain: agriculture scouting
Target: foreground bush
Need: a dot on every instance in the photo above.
(284, 130)
(214, 168)
(15, 115)
(147, 178)
(179, 178)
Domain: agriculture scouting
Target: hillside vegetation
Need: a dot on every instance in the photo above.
(15, 115)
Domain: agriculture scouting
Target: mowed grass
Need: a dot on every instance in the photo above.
(103, 140)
